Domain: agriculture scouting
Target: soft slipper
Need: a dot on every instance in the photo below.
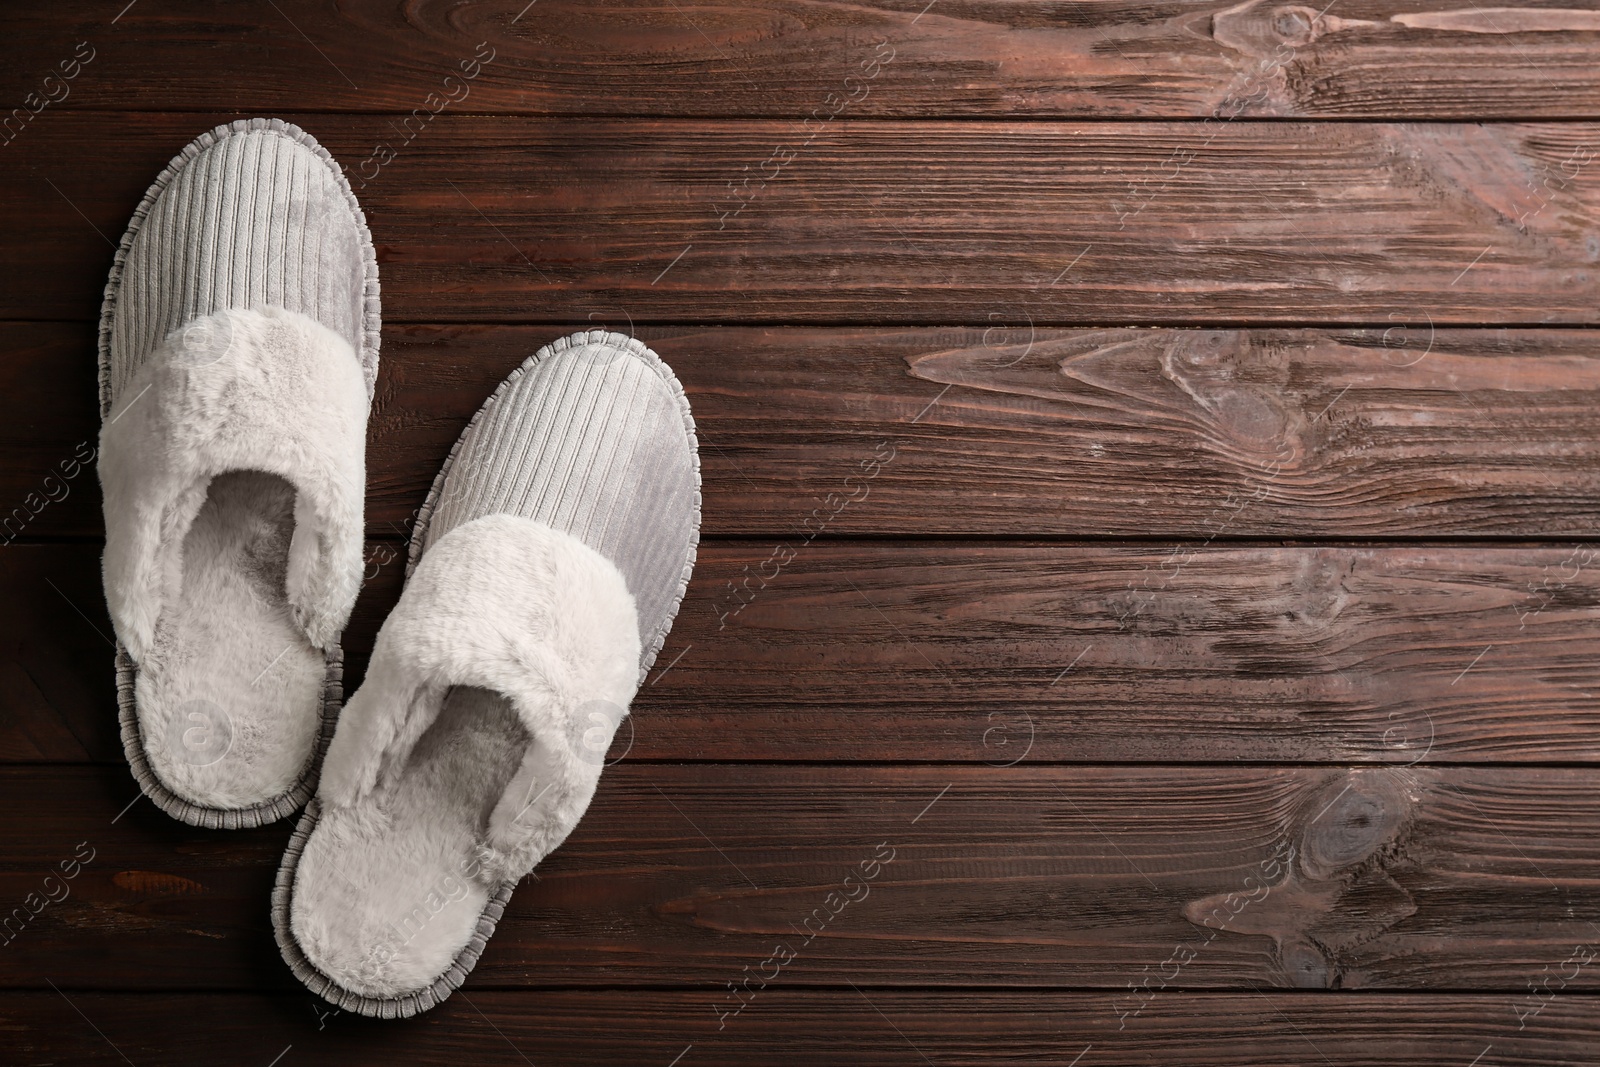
(238, 349)
(546, 568)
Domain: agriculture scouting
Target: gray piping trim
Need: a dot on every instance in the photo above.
(287, 802)
(409, 1004)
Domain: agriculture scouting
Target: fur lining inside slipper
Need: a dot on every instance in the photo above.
(470, 751)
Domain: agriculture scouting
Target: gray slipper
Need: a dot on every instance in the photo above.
(238, 349)
(546, 568)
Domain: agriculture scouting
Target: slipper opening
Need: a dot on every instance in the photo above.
(389, 891)
(230, 690)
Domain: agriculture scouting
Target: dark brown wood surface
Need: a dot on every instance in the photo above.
(504, 219)
(1032, 876)
(998, 653)
(1402, 430)
(1216, 59)
(1213, 646)
(846, 1026)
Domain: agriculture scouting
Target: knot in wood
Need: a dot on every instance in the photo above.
(1349, 821)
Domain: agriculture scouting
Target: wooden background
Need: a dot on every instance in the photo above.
(1213, 648)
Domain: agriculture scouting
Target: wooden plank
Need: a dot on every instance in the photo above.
(550, 220)
(1188, 434)
(1003, 653)
(49, 431)
(997, 653)
(57, 687)
(1182, 58)
(1063, 877)
(636, 1026)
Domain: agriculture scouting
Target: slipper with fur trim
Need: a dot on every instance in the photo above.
(546, 568)
(238, 350)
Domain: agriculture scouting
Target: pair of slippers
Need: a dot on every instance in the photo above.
(238, 355)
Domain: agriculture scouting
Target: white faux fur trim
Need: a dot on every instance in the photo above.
(514, 606)
(264, 389)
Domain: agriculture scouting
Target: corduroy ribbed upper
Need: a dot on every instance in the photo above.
(252, 214)
(592, 436)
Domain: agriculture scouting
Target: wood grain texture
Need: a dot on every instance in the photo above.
(1003, 653)
(820, 1027)
(783, 58)
(58, 697)
(1139, 881)
(1148, 608)
(1197, 435)
(498, 219)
